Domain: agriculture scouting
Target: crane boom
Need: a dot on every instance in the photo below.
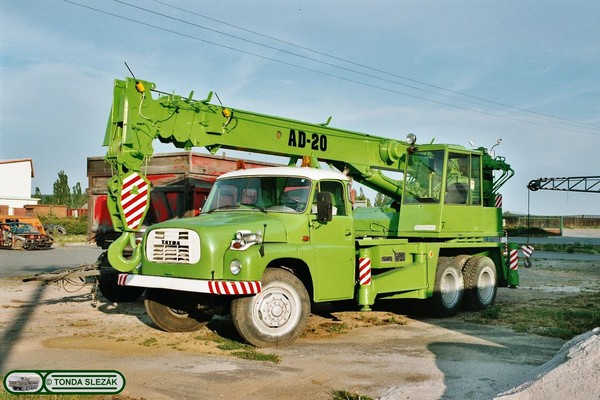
(137, 119)
(569, 184)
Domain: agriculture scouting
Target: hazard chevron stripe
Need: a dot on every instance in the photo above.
(134, 204)
(514, 260)
(364, 271)
(191, 285)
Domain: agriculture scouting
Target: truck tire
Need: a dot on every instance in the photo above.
(277, 315)
(108, 286)
(461, 261)
(480, 283)
(447, 290)
(175, 311)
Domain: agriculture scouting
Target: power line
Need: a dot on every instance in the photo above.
(480, 99)
(306, 68)
(535, 114)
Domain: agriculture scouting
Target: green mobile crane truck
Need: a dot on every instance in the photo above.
(269, 241)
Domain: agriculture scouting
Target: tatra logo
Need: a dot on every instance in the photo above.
(171, 242)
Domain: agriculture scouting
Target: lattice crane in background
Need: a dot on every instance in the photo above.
(569, 184)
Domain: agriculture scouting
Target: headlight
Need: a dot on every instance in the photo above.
(244, 239)
(235, 267)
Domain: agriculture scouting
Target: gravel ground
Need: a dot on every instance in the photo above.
(573, 373)
(382, 354)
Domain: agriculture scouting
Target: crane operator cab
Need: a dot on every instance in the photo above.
(443, 193)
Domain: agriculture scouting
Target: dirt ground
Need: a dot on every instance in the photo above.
(383, 354)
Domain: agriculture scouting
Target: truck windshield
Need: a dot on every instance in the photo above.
(22, 229)
(262, 193)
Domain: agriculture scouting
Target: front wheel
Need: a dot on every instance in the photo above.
(480, 283)
(277, 315)
(448, 289)
(108, 283)
(112, 291)
(175, 311)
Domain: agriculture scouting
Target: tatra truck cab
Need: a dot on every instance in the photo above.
(270, 241)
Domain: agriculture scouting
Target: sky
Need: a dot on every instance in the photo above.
(461, 72)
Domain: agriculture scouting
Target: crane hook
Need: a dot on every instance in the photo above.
(115, 253)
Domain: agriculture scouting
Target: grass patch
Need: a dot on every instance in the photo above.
(377, 320)
(345, 395)
(492, 313)
(69, 239)
(563, 319)
(568, 248)
(233, 345)
(245, 351)
(335, 327)
(254, 355)
(149, 342)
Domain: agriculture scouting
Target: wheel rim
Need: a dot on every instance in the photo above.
(276, 310)
(178, 313)
(449, 289)
(485, 285)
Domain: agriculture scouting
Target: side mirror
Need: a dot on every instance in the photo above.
(324, 206)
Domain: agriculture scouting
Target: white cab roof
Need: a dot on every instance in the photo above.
(305, 172)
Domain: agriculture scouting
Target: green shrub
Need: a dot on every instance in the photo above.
(73, 226)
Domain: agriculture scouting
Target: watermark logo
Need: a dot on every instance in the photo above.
(63, 382)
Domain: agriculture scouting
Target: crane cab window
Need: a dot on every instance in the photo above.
(427, 182)
(463, 179)
(423, 178)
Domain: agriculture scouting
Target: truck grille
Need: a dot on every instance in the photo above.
(173, 246)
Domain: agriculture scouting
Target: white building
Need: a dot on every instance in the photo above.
(15, 185)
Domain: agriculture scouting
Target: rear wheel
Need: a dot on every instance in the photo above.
(480, 283)
(175, 311)
(448, 289)
(277, 315)
(461, 261)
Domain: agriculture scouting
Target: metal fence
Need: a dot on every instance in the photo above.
(552, 222)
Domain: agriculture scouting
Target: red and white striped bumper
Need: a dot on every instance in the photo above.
(191, 285)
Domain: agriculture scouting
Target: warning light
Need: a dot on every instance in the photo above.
(140, 86)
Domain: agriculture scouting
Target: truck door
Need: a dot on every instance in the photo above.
(333, 244)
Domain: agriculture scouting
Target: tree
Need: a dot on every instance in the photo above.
(61, 190)
(78, 198)
(362, 196)
(381, 200)
(44, 198)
